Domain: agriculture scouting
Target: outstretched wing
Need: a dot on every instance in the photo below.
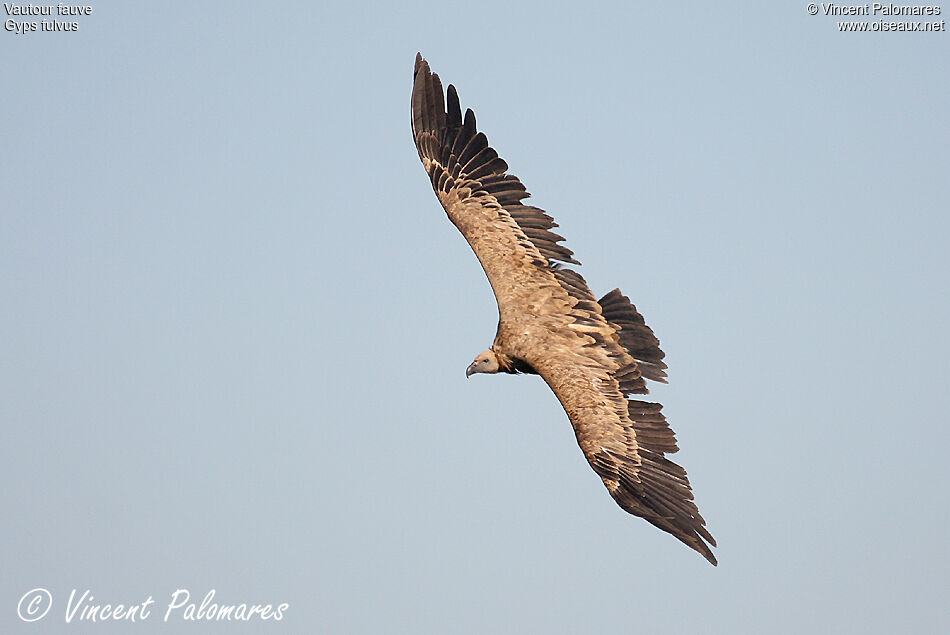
(587, 354)
(625, 441)
(512, 241)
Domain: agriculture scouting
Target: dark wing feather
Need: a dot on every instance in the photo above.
(586, 351)
(635, 335)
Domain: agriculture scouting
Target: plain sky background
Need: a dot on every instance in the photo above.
(235, 320)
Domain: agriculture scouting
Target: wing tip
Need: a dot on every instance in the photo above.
(420, 63)
(427, 105)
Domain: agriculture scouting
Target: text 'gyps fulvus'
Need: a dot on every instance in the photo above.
(592, 353)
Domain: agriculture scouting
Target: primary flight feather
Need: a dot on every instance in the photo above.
(594, 354)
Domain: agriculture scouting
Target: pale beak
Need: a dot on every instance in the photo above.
(470, 370)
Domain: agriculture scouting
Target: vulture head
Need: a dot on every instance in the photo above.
(486, 362)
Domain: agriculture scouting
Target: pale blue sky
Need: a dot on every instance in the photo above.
(236, 320)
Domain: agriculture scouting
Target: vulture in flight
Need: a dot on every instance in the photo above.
(594, 354)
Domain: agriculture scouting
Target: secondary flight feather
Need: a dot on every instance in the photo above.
(594, 354)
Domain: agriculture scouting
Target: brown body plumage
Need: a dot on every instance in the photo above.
(594, 354)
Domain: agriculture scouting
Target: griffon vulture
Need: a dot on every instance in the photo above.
(594, 354)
